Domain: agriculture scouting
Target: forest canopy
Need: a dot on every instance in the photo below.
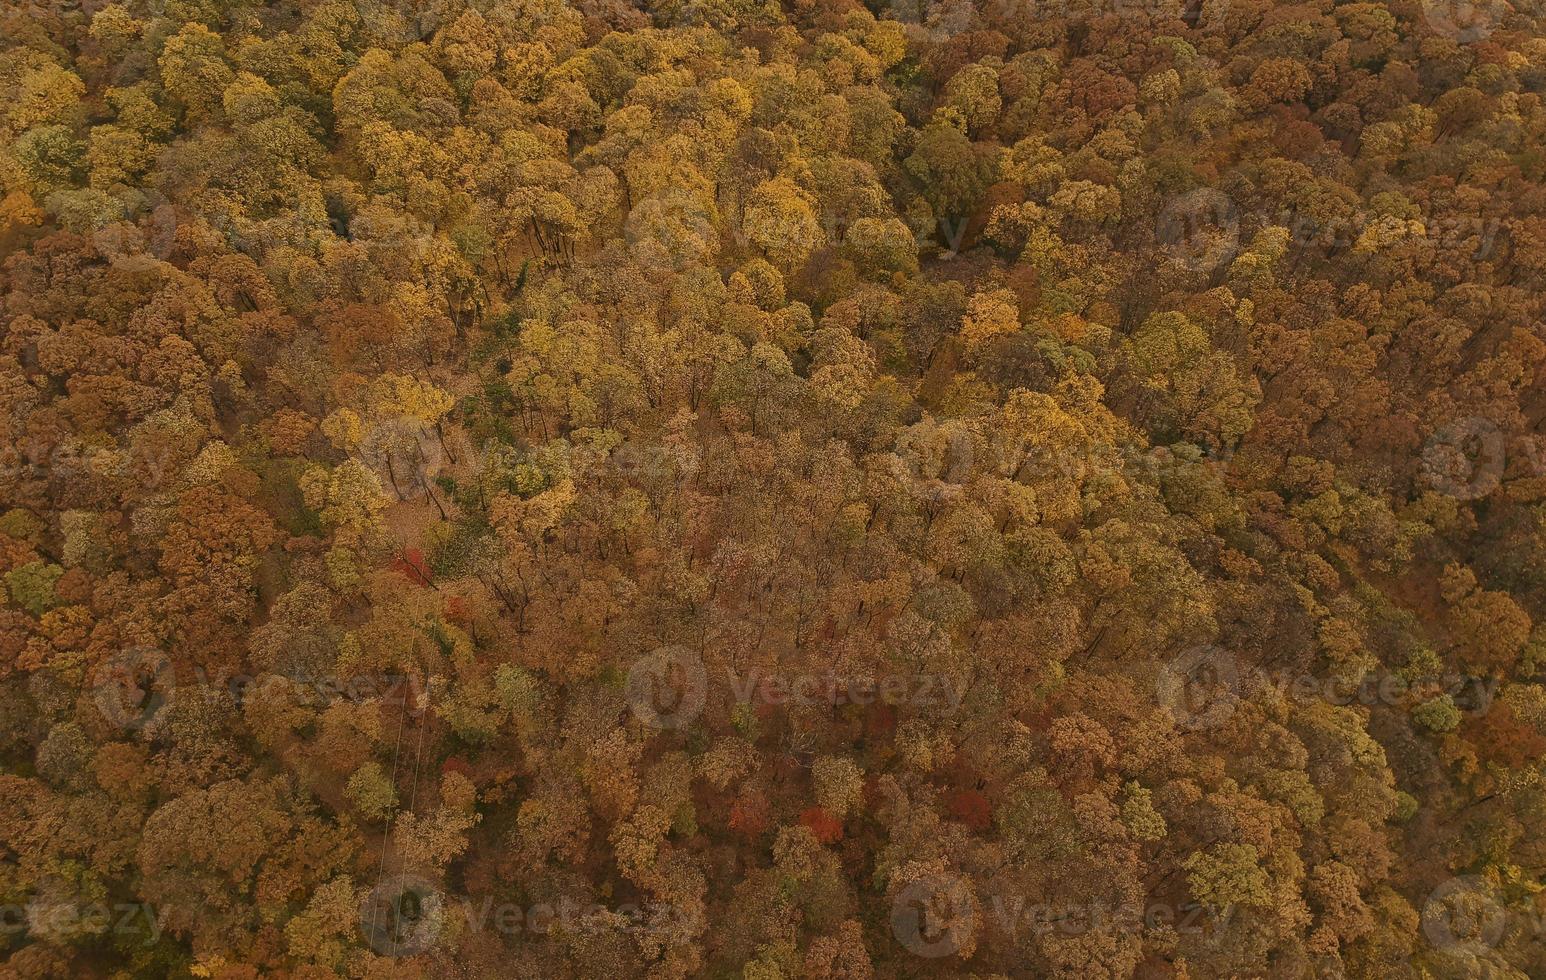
(825, 489)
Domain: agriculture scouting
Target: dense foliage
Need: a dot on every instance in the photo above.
(713, 488)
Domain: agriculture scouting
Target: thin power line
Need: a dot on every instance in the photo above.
(402, 718)
(418, 757)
